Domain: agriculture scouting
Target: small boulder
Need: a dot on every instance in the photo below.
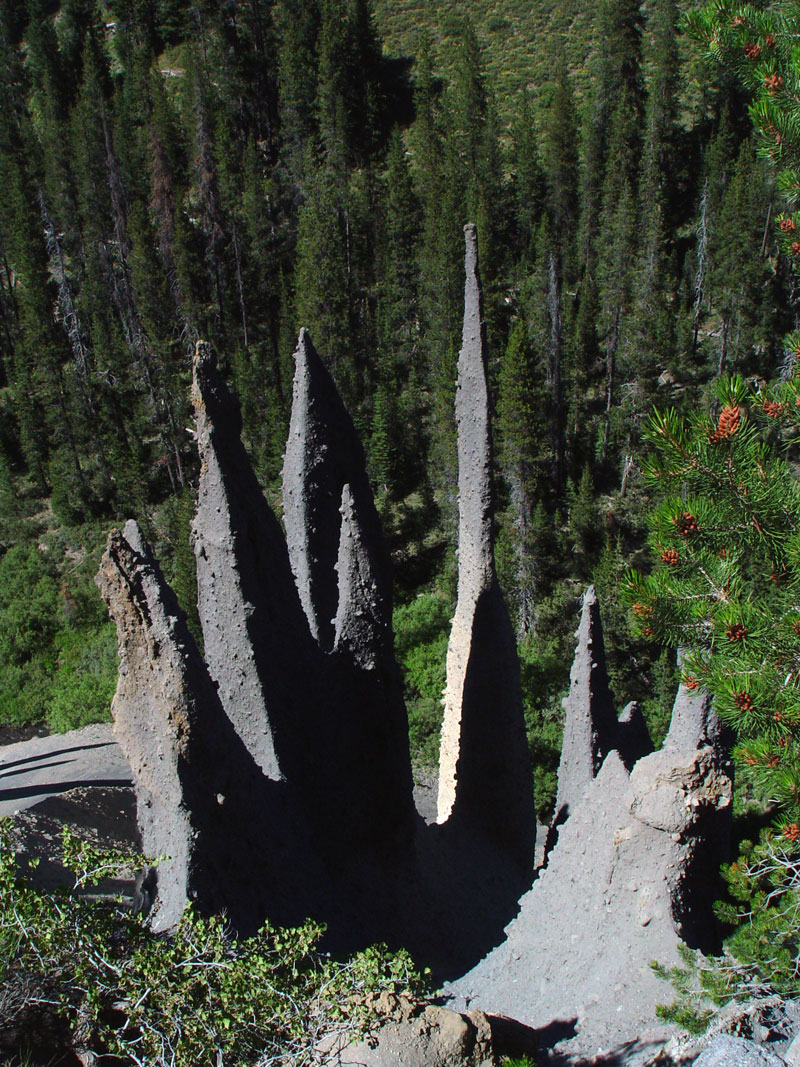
(413, 1033)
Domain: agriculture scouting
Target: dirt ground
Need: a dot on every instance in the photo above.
(102, 815)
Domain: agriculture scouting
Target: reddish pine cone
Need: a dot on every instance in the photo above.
(769, 40)
(687, 524)
(773, 83)
(788, 225)
(644, 611)
(792, 831)
(671, 556)
(743, 700)
(795, 248)
(752, 50)
(691, 682)
(736, 632)
(772, 408)
(727, 424)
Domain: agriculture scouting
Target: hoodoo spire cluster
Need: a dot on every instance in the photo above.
(273, 773)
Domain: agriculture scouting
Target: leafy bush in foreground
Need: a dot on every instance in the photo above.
(195, 996)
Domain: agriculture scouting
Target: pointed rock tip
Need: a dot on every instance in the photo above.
(629, 712)
(305, 347)
(204, 372)
(204, 356)
(471, 241)
(132, 533)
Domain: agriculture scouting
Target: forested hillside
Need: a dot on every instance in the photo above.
(178, 169)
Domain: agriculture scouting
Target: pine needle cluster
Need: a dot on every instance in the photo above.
(726, 582)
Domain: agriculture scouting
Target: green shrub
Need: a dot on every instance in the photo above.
(191, 998)
(545, 678)
(58, 660)
(760, 957)
(422, 630)
(29, 603)
(85, 678)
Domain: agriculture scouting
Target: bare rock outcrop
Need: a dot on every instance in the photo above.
(323, 459)
(590, 722)
(610, 900)
(246, 598)
(484, 766)
(729, 1051)
(187, 762)
(275, 775)
(342, 572)
(694, 721)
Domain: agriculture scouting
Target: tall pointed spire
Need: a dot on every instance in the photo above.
(694, 722)
(484, 767)
(590, 723)
(343, 575)
(247, 602)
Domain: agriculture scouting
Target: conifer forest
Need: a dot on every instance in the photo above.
(172, 170)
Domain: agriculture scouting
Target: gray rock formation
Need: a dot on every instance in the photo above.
(363, 617)
(331, 723)
(323, 458)
(792, 1054)
(590, 722)
(484, 768)
(728, 1051)
(277, 779)
(169, 722)
(633, 738)
(694, 722)
(245, 593)
(343, 574)
(610, 900)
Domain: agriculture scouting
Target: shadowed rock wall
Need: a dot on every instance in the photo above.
(194, 777)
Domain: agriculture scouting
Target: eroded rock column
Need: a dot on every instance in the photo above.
(173, 731)
(590, 722)
(633, 737)
(484, 768)
(256, 642)
(343, 575)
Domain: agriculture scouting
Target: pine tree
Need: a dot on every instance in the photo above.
(560, 160)
(725, 584)
(525, 461)
(652, 330)
(321, 277)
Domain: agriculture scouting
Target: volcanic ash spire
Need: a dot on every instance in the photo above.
(484, 778)
(590, 724)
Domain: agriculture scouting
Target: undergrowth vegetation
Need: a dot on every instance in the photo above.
(85, 973)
